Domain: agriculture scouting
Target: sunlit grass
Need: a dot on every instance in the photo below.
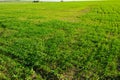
(72, 40)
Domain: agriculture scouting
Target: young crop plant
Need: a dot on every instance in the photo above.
(60, 41)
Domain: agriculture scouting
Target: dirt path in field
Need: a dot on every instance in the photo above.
(76, 14)
(86, 10)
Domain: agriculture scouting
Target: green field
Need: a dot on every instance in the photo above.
(60, 41)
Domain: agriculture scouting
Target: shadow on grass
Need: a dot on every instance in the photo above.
(45, 74)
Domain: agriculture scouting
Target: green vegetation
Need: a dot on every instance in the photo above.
(60, 41)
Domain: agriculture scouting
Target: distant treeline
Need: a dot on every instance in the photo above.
(10, 0)
(19, 0)
(28, 0)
